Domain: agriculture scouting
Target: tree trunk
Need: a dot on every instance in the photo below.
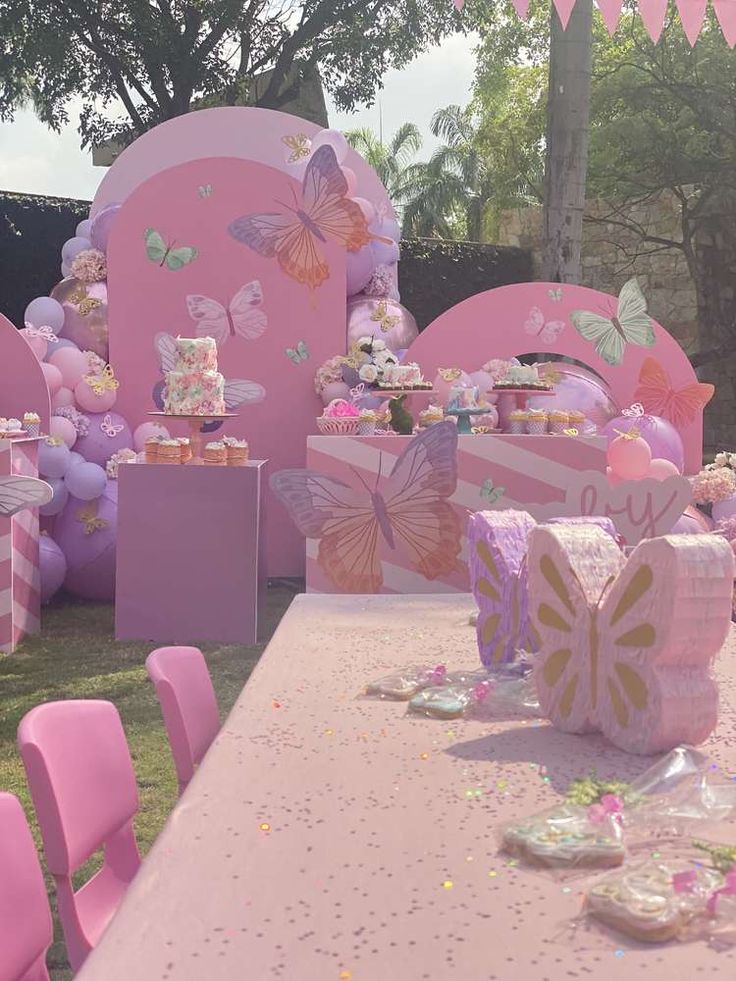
(566, 160)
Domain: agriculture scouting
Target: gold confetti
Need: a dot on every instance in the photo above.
(424, 756)
(345, 975)
(447, 884)
(329, 732)
(492, 874)
(265, 826)
(501, 784)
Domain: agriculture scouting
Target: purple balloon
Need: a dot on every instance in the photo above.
(45, 312)
(398, 336)
(90, 557)
(86, 481)
(359, 268)
(385, 253)
(663, 439)
(53, 458)
(101, 226)
(84, 229)
(108, 433)
(52, 567)
(73, 246)
(581, 389)
(387, 228)
(58, 501)
(60, 343)
(74, 459)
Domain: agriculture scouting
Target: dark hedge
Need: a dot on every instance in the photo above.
(434, 275)
(32, 231)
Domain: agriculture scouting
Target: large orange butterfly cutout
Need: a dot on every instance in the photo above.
(324, 214)
(656, 394)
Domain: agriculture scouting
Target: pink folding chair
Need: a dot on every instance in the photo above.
(26, 930)
(83, 788)
(188, 705)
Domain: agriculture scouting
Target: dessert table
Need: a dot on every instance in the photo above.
(331, 838)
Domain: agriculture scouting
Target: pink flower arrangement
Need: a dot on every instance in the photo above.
(75, 417)
(89, 266)
(125, 455)
(710, 486)
(381, 284)
(340, 409)
(328, 373)
(496, 368)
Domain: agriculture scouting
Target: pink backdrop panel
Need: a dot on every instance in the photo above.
(22, 383)
(231, 131)
(534, 473)
(146, 298)
(494, 325)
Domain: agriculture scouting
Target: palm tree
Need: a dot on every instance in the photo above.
(392, 161)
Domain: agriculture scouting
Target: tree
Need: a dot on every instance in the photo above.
(145, 61)
(392, 161)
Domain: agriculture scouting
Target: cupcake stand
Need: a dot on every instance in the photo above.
(510, 399)
(195, 429)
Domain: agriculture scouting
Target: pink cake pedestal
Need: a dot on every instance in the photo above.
(195, 430)
(188, 553)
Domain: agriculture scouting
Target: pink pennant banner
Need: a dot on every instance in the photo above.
(564, 9)
(692, 15)
(653, 13)
(610, 12)
(522, 8)
(726, 14)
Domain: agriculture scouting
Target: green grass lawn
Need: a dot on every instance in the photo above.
(76, 656)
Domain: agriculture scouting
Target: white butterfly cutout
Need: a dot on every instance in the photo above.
(108, 428)
(546, 330)
(238, 391)
(241, 317)
(555, 295)
(17, 493)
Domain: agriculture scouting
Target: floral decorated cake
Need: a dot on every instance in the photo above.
(403, 376)
(523, 376)
(195, 387)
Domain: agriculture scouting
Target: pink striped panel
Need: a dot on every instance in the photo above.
(534, 471)
(20, 587)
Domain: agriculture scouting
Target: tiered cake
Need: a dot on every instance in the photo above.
(195, 387)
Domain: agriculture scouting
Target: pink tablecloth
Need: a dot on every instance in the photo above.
(332, 839)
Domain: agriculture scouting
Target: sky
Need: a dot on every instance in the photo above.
(35, 160)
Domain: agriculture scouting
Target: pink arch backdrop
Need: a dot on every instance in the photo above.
(492, 325)
(23, 386)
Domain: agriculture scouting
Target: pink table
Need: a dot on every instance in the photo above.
(188, 548)
(332, 839)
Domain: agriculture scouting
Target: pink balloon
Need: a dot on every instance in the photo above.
(53, 378)
(85, 314)
(352, 180)
(65, 396)
(333, 138)
(662, 469)
(38, 345)
(629, 459)
(367, 208)
(72, 364)
(362, 309)
(359, 268)
(88, 400)
(612, 478)
(52, 567)
(63, 429)
(580, 389)
(483, 380)
(102, 225)
(146, 431)
(663, 439)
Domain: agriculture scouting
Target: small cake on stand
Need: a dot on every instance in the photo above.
(463, 405)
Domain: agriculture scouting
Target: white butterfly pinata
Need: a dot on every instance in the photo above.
(610, 335)
(17, 493)
(238, 391)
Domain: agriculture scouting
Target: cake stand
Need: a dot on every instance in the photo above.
(195, 429)
(463, 417)
(515, 398)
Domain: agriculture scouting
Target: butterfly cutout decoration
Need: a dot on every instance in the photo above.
(238, 391)
(299, 147)
(85, 303)
(546, 330)
(294, 235)
(166, 255)
(205, 191)
(240, 317)
(381, 316)
(626, 646)
(610, 335)
(555, 294)
(657, 396)
(44, 332)
(104, 381)
(487, 490)
(18, 493)
(297, 354)
(109, 428)
(497, 545)
(88, 517)
(406, 515)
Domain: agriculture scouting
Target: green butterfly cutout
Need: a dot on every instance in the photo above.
(631, 325)
(297, 354)
(166, 255)
(491, 493)
(205, 191)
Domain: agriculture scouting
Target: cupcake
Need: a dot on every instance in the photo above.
(559, 420)
(15, 426)
(152, 449)
(169, 451)
(517, 421)
(431, 415)
(536, 422)
(367, 422)
(576, 418)
(186, 449)
(32, 423)
(215, 454)
(236, 452)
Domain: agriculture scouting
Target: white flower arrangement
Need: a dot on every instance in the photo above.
(373, 357)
